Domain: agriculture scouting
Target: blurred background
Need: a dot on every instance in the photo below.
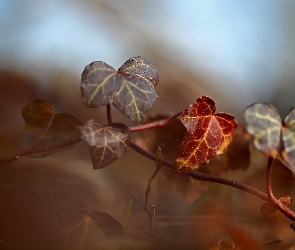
(243, 51)
(237, 52)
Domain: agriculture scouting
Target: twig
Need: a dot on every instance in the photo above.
(13, 158)
(154, 124)
(159, 159)
(204, 177)
(277, 203)
(147, 196)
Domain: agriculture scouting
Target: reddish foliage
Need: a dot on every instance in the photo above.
(207, 135)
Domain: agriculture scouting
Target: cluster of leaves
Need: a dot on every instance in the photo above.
(131, 89)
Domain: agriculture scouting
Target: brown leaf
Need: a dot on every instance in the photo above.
(63, 127)
(88, 229)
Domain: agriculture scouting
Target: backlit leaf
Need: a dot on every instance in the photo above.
(264, 122)
(107, 143)
(130, 89)
(271, 136)
(288, 137)
(208, 134)
(98, 84)
(64, 128)
(89, 229)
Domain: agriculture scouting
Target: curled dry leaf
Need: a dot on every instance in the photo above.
(271, 135)
(107, 143)
(286, 200)
(45, 129)
(130, 89)
(208, 134)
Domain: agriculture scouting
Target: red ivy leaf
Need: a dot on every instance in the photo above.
(207, 135)
(107, 143)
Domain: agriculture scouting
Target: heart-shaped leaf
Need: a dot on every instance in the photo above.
(90, 229)
(208, 134)
(101, 222)
(265, 124)
(130, 89)
(107, 143)
(45, 129)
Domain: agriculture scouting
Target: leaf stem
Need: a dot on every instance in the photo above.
(277, 203)
(205, 177)
(109, 113)
(159, 123)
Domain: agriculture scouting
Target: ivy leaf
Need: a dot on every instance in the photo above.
(88, 229)
(271, 135)
(45, 129)
(288, 137)
(130, 89)
(107, 143)
(208, 134)
(264, 122)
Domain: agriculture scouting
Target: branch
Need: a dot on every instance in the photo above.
(31, 150)
(204, 177)
(154, 124)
